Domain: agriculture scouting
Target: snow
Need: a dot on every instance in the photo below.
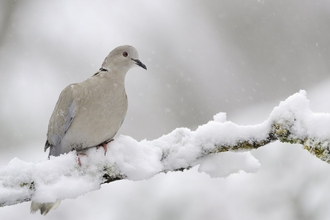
(54, 179)
(229, 133)
(136, 160)
(305, 123)
(227, 163)
(62, 177)
(220, 117)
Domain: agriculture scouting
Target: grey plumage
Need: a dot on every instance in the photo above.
(89, 113)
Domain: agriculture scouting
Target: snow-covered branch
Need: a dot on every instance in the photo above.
(220, 147)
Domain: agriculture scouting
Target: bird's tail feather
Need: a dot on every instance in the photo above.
(44, 207)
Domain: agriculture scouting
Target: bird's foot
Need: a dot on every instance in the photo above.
(104, 145)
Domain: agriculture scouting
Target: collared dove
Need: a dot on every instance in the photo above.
(89, 114)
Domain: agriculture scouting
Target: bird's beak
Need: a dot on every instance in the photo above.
(139, 63)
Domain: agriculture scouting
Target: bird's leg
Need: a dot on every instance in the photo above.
(78, 155)
(104, 145)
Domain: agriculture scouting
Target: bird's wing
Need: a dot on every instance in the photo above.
(61, 118)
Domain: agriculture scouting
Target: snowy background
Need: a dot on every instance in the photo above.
(240, 57)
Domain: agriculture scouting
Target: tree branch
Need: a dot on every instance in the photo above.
(61, 177)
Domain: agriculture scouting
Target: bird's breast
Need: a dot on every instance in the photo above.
(99, 115)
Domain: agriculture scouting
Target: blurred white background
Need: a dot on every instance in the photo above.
(241, 57)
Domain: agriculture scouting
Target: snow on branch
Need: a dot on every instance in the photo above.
(220, 147)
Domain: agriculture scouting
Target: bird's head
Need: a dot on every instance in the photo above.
(122, 59)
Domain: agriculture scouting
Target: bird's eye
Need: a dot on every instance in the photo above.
(125, 54)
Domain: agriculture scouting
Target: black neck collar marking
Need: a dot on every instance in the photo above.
(102, 69)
